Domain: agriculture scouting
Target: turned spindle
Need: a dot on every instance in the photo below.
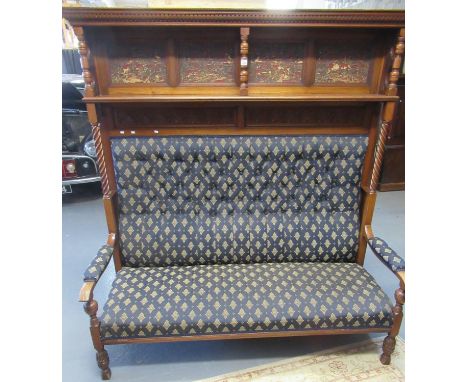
(390, 341)
(96, 130)
(85, 62)
(396, 64)
(102, 357)
(244, 61)
(389, 111)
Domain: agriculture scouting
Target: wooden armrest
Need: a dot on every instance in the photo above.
(401, 276)
(370, 235)
(86, 291)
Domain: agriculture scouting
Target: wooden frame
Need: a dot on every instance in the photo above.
(379, 103)
(245, 44)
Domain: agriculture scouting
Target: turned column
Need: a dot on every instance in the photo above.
(390, 341)
(244, 61)
(389, 111)
(96, 130)
(102, 357)
(85, 65)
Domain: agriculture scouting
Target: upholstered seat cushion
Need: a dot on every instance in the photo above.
(233, 298)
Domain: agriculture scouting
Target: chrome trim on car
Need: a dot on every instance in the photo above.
(68, 182)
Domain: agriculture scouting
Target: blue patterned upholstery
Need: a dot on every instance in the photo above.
(238, 199)
(99, 264)
(237, 298)
(386, 254)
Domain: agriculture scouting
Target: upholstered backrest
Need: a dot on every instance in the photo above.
(238, 199)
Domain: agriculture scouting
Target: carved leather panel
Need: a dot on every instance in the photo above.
(138, 65)
(276, 62)
(206, 63)
(345, 63)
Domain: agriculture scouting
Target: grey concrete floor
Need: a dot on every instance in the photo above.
(84, 231)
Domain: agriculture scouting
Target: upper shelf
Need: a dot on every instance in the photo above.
(211, 17)
(248, 99)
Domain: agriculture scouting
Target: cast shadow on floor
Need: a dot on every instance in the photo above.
(226, 350)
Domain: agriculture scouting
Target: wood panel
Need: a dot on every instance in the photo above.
(193, 61)
(319, 115)
(166, 60)
(240, 117)
(237, 336)
(166, 116)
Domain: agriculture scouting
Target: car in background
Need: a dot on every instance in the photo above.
(78, 150)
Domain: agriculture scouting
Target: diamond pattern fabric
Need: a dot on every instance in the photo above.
(237, 298)
(238, 199)
(386, 254)
(95, 269)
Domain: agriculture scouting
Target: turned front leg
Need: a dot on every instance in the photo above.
(102, 357)
(390, 341)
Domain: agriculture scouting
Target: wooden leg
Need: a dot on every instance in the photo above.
(102, 357)
(388, 348)
(390, 341)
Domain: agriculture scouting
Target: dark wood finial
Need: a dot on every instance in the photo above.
(244, 61)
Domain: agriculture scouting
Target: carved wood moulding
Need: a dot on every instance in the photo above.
(147, 17)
